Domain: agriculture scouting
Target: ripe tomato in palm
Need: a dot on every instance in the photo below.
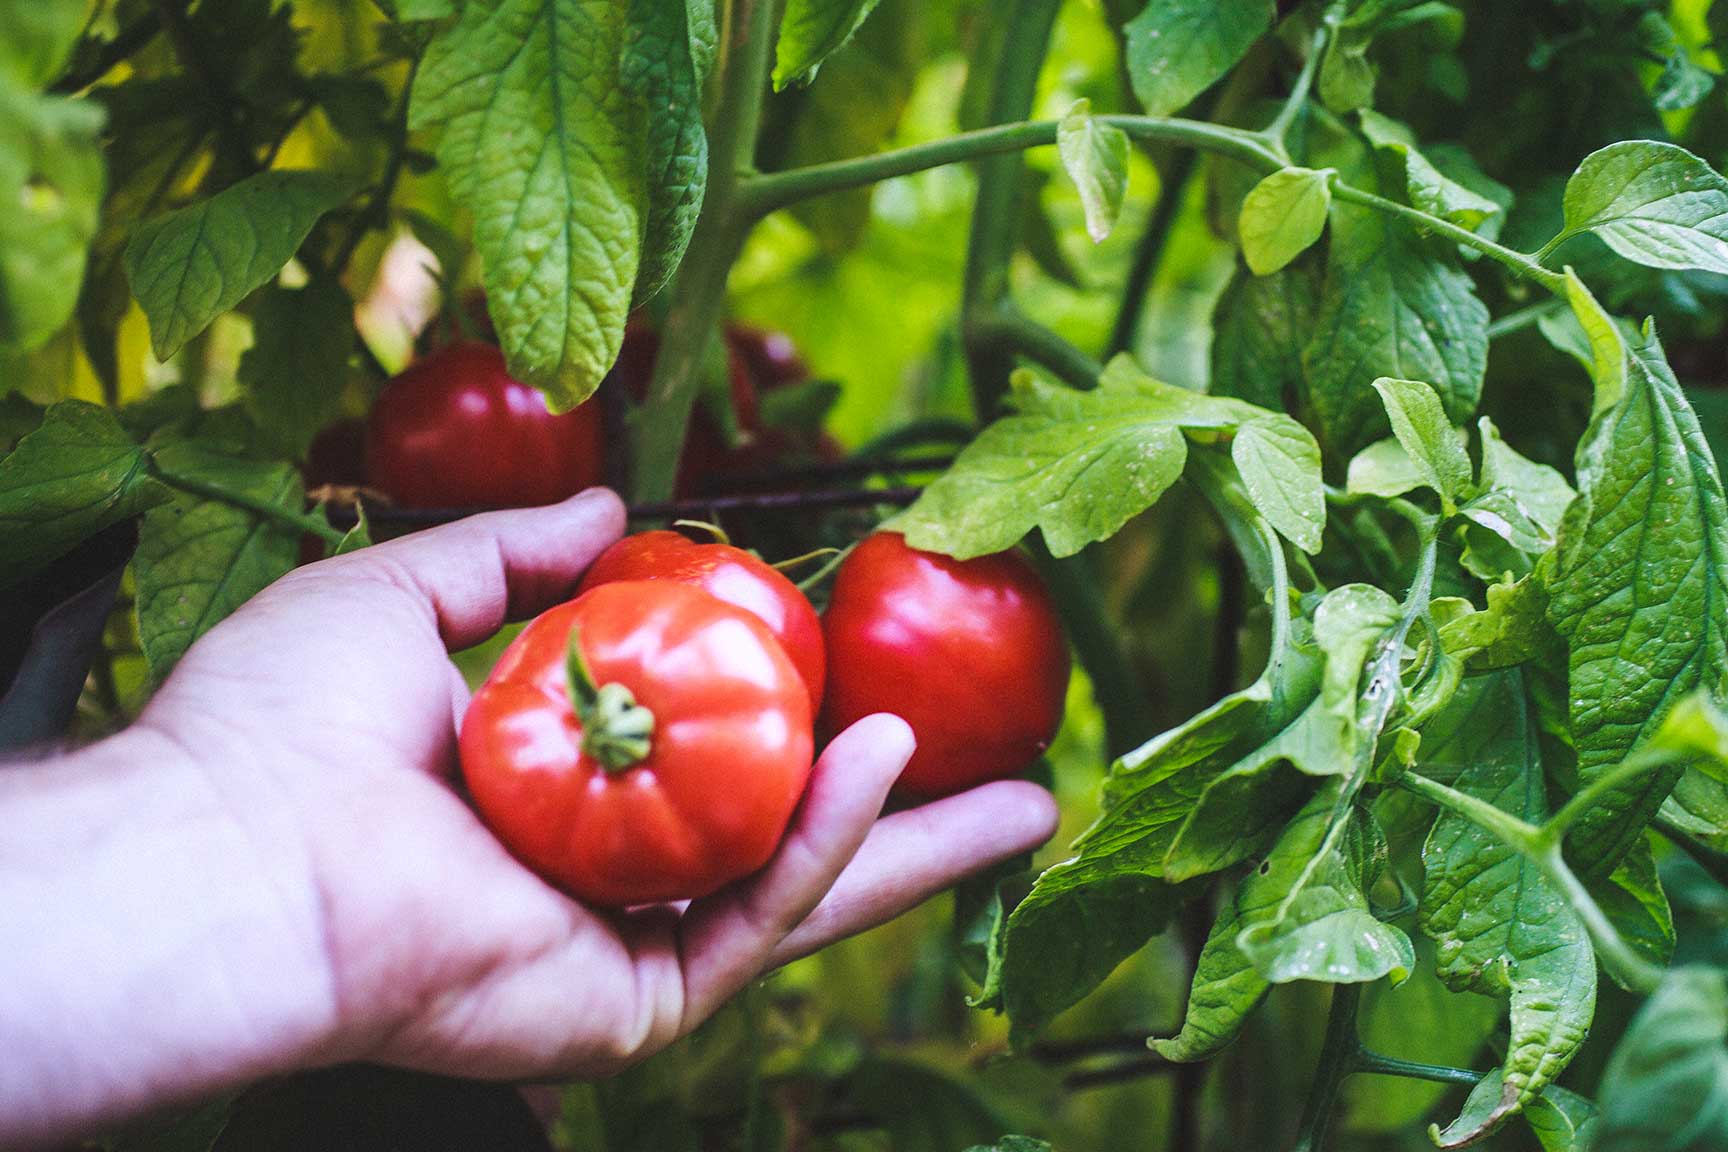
(642, 742)
(455, 430)
(970, 653)
(732, 575)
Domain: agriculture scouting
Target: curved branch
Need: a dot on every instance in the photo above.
(765, 193)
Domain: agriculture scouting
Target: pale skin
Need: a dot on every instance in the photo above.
(271, 868)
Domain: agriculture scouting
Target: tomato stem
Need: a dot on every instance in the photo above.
(713, 530)
(616, 731)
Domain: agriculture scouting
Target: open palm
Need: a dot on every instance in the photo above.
(325, 712)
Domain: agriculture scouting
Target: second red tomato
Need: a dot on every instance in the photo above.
(729, 574)
(970, 653)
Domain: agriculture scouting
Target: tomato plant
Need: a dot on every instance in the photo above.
(1350, 369)
(730, 574)
(969, 652)
(630, 747)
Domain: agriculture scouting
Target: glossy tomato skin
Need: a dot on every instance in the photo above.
(729, 757)
(455, 430)
(732, 575)
(970, 653)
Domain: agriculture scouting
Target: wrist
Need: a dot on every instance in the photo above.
(163, 935)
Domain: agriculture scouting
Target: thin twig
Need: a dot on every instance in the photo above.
(385, 516)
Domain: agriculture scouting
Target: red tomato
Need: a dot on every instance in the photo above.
(456, 431)
(734, 576)
(576, 786)
(968, 652)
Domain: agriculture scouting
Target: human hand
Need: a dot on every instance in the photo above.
(324, 713)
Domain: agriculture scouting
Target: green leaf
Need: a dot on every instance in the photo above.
(1634, 902)
(1179, 48)
(1501, 928)
(297, 367)
(357, 537)
(1259, 328)
(1243, 807)
(1013, 1144)
(1427, 187)
(1304, 910)
(1682, 83)
(1346, 76)
(1541, 493)
(35, 38)
(68, 480)
(1604, 352)
(1225, 991)
(810, 32)
(1085, 915)
(192, 265)
(1282, 215)
(51, 180)
(1433, 445)
(1081, 919)
(544, 144)
(1637, 591)
(1666, 1086)
(1301, 915)
(1383, 469)
(1280, 468)
(703, 25)
(1563, 1121)
(201, 558)
(659, 66)
(1095, 156)
(1656, 204)
(1513, 628)
(1079, 465)
(1390, 308)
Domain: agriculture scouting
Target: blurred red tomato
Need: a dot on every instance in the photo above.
(455, 430)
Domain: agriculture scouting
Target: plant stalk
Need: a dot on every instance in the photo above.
(1337, 1056)
(698, 299)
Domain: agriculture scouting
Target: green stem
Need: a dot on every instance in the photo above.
(286, 517)
(1534, 844)
(1640, 763)
(995, 209)
(1522, 318)
(1277, 131)
(1374, 1064)
(1516, 261)
(1007, 330)
(1633, 970)
(698, 296)
(617, 732)
(1336, 1058)
(1518, 834)
(766, 193)
(1541, 255)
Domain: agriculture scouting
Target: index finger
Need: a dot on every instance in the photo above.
(478, 573)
